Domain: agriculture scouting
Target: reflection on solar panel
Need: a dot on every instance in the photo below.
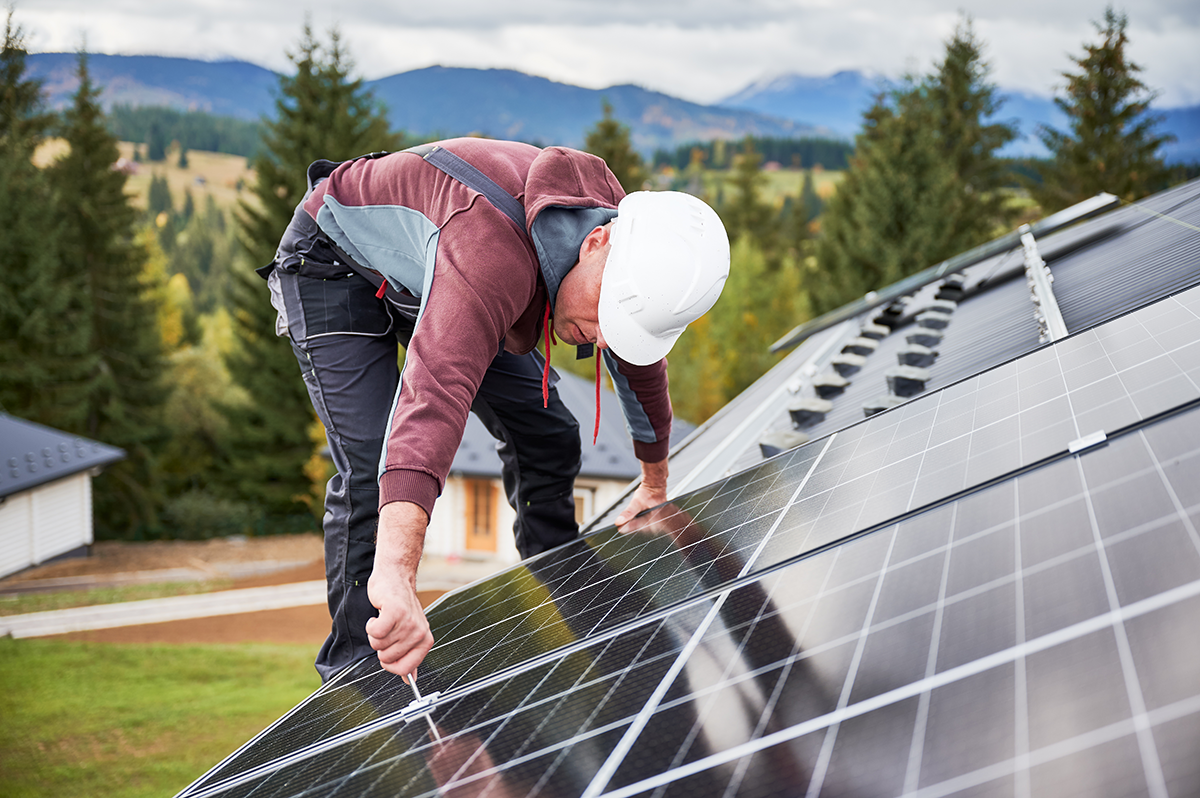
(956, 597)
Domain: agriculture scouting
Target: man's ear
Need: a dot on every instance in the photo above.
(596, 239)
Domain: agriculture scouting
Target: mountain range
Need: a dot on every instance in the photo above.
(837, 101)
(509, 104)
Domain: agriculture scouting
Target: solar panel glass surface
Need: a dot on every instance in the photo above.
(939, 573)
(1032, 631)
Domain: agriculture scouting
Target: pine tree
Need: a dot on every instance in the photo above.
(23, 117)
(203, 252)
(126, 393)
(811, 203)
(963, 102)
(924, 183)
(159, 198)
(156, 143)
(798, 215)
(321, 113)
(45, 357)
(610, 140)
(891, 213)
(747, 213)
(1111, 144)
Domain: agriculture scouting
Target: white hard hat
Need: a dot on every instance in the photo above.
(668, 261)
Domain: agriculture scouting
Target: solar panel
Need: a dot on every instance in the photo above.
(957, 596)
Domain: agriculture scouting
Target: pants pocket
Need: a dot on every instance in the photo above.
(345, 306)
(281, 317)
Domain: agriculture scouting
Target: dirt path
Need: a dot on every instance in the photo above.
(300, 625)
(116, 557)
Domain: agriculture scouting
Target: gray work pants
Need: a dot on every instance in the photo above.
(345, 340)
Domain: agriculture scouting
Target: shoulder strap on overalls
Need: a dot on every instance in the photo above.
(474, 179)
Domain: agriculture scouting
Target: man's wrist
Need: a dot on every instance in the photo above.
(654, 476)
(400, 538)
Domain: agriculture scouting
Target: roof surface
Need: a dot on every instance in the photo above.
(33, 455)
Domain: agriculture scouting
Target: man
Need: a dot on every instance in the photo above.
(468, 272)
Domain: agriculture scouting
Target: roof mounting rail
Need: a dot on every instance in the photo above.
(1051, 326)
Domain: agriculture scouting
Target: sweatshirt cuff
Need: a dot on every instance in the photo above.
(403, 485)
(651, 452)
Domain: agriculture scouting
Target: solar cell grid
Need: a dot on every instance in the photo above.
(744, 641)
(573, 600)
(1038, 688)
(1120, 374)
(554, 721)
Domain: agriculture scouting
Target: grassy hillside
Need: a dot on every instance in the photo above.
(226, 178)
(220, 175)
(779, 184)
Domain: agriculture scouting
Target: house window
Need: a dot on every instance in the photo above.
(480, 515)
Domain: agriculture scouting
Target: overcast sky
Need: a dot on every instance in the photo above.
(700, 50)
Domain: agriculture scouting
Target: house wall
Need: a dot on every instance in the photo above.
(39, 524)
(606, 492)
(446, 535)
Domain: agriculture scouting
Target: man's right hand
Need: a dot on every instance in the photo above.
(400, 633)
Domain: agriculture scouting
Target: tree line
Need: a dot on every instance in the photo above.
(76, 349)
(925, 182)
(149, 330)
(922, 183)
(157, 127)
(793, 153)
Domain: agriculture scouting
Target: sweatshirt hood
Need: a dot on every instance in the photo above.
(568, 194)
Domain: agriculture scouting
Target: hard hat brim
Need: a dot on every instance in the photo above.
(626, 338)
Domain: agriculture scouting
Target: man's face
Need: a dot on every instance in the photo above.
(576, 310)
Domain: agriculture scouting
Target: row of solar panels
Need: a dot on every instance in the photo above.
(989, 589)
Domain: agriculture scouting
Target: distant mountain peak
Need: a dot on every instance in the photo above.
(794, 81)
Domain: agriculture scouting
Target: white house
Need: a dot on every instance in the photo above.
(45, 492)
(473, 519)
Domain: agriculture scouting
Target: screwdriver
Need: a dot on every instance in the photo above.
(412, 680)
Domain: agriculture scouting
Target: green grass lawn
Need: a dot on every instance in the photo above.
(92, 719)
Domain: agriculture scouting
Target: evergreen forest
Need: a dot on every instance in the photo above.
(143, 324)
